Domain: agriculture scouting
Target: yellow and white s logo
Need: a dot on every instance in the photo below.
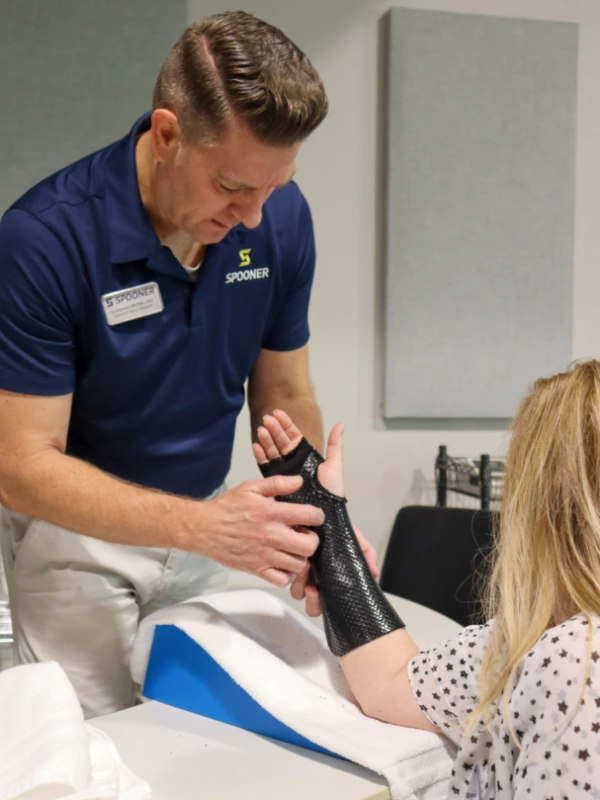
(245, 257)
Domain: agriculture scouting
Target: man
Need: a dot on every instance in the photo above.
(141, 287)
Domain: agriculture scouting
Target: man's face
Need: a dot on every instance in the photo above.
(208, 189)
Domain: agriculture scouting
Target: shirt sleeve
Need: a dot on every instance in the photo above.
(445, 679)
(37, 348)
(289, 329)
(555, 711)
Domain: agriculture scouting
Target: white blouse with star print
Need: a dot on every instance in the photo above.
(559, 733)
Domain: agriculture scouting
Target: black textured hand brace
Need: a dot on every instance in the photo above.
(355, 610)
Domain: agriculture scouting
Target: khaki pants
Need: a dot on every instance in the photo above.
(78, 601)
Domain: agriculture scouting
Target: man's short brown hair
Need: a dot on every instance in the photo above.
(235, 64)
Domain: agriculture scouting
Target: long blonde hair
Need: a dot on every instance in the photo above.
(547, 554)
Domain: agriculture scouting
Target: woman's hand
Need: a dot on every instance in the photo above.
(278, 437)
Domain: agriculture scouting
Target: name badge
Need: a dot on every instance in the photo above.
(133, 303)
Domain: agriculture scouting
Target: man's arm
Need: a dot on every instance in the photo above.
(244, 528)
(280, 379)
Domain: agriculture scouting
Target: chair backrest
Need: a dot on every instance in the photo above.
(436, 557)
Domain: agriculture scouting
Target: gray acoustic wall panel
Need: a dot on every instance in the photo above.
(480, 211)
(75, 76)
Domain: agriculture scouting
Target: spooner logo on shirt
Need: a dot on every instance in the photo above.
(256, 273)
(245, 257)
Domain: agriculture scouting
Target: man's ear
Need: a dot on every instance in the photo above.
(165, 132)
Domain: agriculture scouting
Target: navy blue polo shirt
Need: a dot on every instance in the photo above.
(155, 399)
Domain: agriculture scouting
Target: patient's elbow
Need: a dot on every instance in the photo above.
(372, 707)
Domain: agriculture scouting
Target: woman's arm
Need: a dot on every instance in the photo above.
(362, 628)
(377, 673)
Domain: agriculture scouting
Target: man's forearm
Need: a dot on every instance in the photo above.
(78, 496)
(302, 409)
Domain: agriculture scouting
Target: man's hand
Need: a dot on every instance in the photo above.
(247, 529)
(303, 586)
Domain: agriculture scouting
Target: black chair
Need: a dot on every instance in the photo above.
(437, 557)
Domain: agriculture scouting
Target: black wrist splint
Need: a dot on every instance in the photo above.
(355, 610)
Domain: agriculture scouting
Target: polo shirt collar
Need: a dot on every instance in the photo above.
(131, 236)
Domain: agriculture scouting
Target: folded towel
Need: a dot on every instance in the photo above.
(252, 636)
(46, 748)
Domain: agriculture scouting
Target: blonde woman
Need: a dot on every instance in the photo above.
(520, 695)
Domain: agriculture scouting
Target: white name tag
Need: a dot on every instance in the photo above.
(133, 303)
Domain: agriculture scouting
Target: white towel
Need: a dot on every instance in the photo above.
(46, 748)
(282, 660)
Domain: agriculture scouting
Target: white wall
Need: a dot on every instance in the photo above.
(339, 171)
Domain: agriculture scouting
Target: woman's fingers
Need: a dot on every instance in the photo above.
(284, 419)
(267, 443)
(335, 445)
(285, 438)
(331, 471)
(259, 454)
